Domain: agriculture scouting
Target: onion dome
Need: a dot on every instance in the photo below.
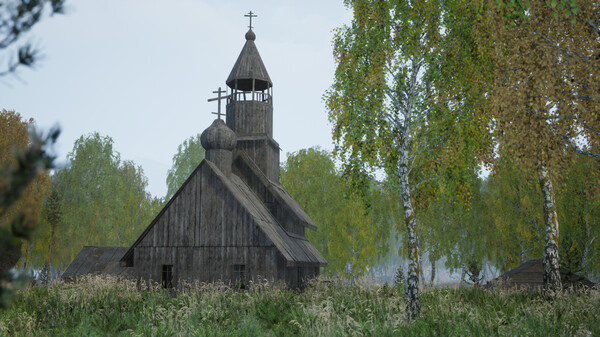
(218, 137)
(250, 36)
(249, 67)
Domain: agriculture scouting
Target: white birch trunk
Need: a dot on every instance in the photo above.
(413, 306)
(550, 261)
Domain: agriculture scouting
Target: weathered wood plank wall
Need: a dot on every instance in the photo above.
(203, 233)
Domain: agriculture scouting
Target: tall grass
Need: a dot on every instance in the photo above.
(101, 306)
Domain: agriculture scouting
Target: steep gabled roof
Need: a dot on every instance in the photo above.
(296, 249)
(249, 66)
(96, 260)
(128, 256)
(247, 165)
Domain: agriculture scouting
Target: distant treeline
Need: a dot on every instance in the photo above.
(100, 199)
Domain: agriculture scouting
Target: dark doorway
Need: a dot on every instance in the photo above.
(239, 274)
(167, 276)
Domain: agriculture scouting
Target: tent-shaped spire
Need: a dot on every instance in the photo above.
(249, 68)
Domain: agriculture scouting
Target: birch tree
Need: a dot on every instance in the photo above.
(381, 107)
(546, 93)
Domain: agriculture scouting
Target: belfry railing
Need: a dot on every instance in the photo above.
(257, 96)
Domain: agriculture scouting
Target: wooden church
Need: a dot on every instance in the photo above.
(231, 221)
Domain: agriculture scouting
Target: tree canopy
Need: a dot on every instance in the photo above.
(351, 237)
(103, 200)
(189, 155)
(23, 182)
(26, 206)
(391, 111)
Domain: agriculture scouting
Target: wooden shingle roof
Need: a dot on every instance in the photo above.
(530, 275)
(248, 166)
(296, 249)
(95, 261)
(249, 66)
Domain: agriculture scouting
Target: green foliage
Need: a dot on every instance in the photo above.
(514, 10)
(393, 108)
(474, 271)
(106, 306)
(24, 182)
(23, 168)
(274, 311)
(399, 278)
(578, 202)
(37, 251)
(103, 201)
(350, 235)
(517, 220)
(189, 155)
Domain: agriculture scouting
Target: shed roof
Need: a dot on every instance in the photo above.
(96, 260)
(249, 66)
(530, 274)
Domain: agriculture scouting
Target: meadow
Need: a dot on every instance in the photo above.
(106, 306)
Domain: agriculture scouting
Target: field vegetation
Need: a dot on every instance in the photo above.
(103, 306)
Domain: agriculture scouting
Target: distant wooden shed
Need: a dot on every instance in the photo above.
(530, 275)
(96, 261)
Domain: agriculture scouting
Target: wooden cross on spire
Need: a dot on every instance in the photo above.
(218, 99)
(250, 15)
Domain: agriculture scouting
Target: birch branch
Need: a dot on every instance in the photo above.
(579, 150)
(421, 183)
(567, 52)
(587, 126)
(591, 23)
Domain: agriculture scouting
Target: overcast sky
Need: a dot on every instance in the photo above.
(140, 71)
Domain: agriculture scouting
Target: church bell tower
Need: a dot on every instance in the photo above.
(250, 108)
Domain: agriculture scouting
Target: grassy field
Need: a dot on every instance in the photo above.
(107, 306)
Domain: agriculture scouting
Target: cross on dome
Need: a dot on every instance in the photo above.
(250, 15)
(218, 99)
